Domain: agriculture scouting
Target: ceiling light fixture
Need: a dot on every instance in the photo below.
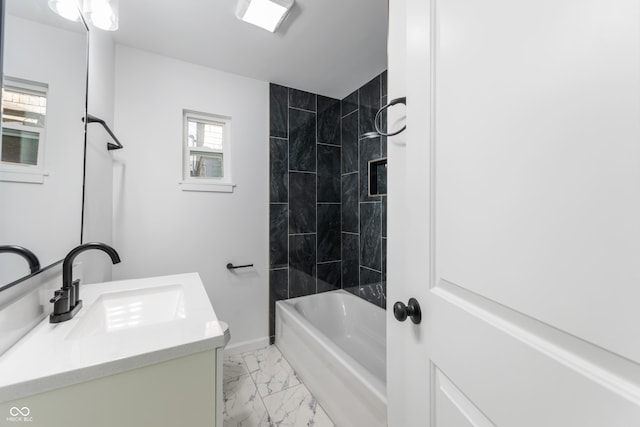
(102, 14)
(68, 9)
(267, 14)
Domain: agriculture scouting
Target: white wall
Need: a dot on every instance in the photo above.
(98, 224)
(159, 229)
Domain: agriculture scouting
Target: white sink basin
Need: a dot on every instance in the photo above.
(117, 311)
(123, 325)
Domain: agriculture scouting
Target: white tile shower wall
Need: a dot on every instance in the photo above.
(160, 229)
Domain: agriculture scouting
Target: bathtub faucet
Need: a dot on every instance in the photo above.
(66, 301)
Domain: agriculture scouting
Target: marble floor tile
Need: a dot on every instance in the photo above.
(270, 371)
(258, 359)
(243, 405)
(233, 367)
(295, 407)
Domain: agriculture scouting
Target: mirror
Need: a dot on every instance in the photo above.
(44, 98)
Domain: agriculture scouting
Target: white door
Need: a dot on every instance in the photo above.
(514, 213)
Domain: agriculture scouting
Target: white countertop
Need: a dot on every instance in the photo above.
(52, 356)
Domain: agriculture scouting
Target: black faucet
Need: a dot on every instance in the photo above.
(66, 301)
(32, 259)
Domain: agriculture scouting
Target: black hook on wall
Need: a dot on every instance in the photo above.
(110, 145)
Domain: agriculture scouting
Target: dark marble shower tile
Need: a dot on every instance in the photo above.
(370, 286)
(278, 170)
(328, 173)
(278, 290)
(350, 221)
(328, 232)
(349, 130)
(370, 235)
(369, 277)
(302, 141)
(353, 290)
(329, 276)
(383, 83)
(278, 235)
(302, 202)
(302, 99)
(384, 216)
(381, 179)
(302, 265)
(350, 261)
(278, 111)
(369, 150)
(369, 103)
(328, 120)
(350, 103)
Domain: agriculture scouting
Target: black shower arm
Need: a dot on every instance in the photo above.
(110, 146)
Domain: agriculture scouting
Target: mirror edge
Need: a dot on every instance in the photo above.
(84, 121)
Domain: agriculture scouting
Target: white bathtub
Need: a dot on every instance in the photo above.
(336, 343)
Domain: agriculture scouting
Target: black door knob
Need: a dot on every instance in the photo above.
(412, 310)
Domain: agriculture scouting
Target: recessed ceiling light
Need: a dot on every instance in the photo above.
(267, 14)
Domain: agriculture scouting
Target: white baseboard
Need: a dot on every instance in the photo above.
(245, 346)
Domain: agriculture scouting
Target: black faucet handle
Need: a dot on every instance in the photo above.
(74, 293)
(57, 295)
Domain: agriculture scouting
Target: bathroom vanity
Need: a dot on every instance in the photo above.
(139, 352)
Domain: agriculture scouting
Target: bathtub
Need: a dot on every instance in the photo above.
(336, 343)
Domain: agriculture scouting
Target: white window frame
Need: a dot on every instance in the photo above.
(15, 172)
(189, 183)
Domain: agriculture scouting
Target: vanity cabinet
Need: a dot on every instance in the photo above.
(178, 392)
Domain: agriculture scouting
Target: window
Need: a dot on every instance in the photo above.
(24, 107)
(207, 158)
